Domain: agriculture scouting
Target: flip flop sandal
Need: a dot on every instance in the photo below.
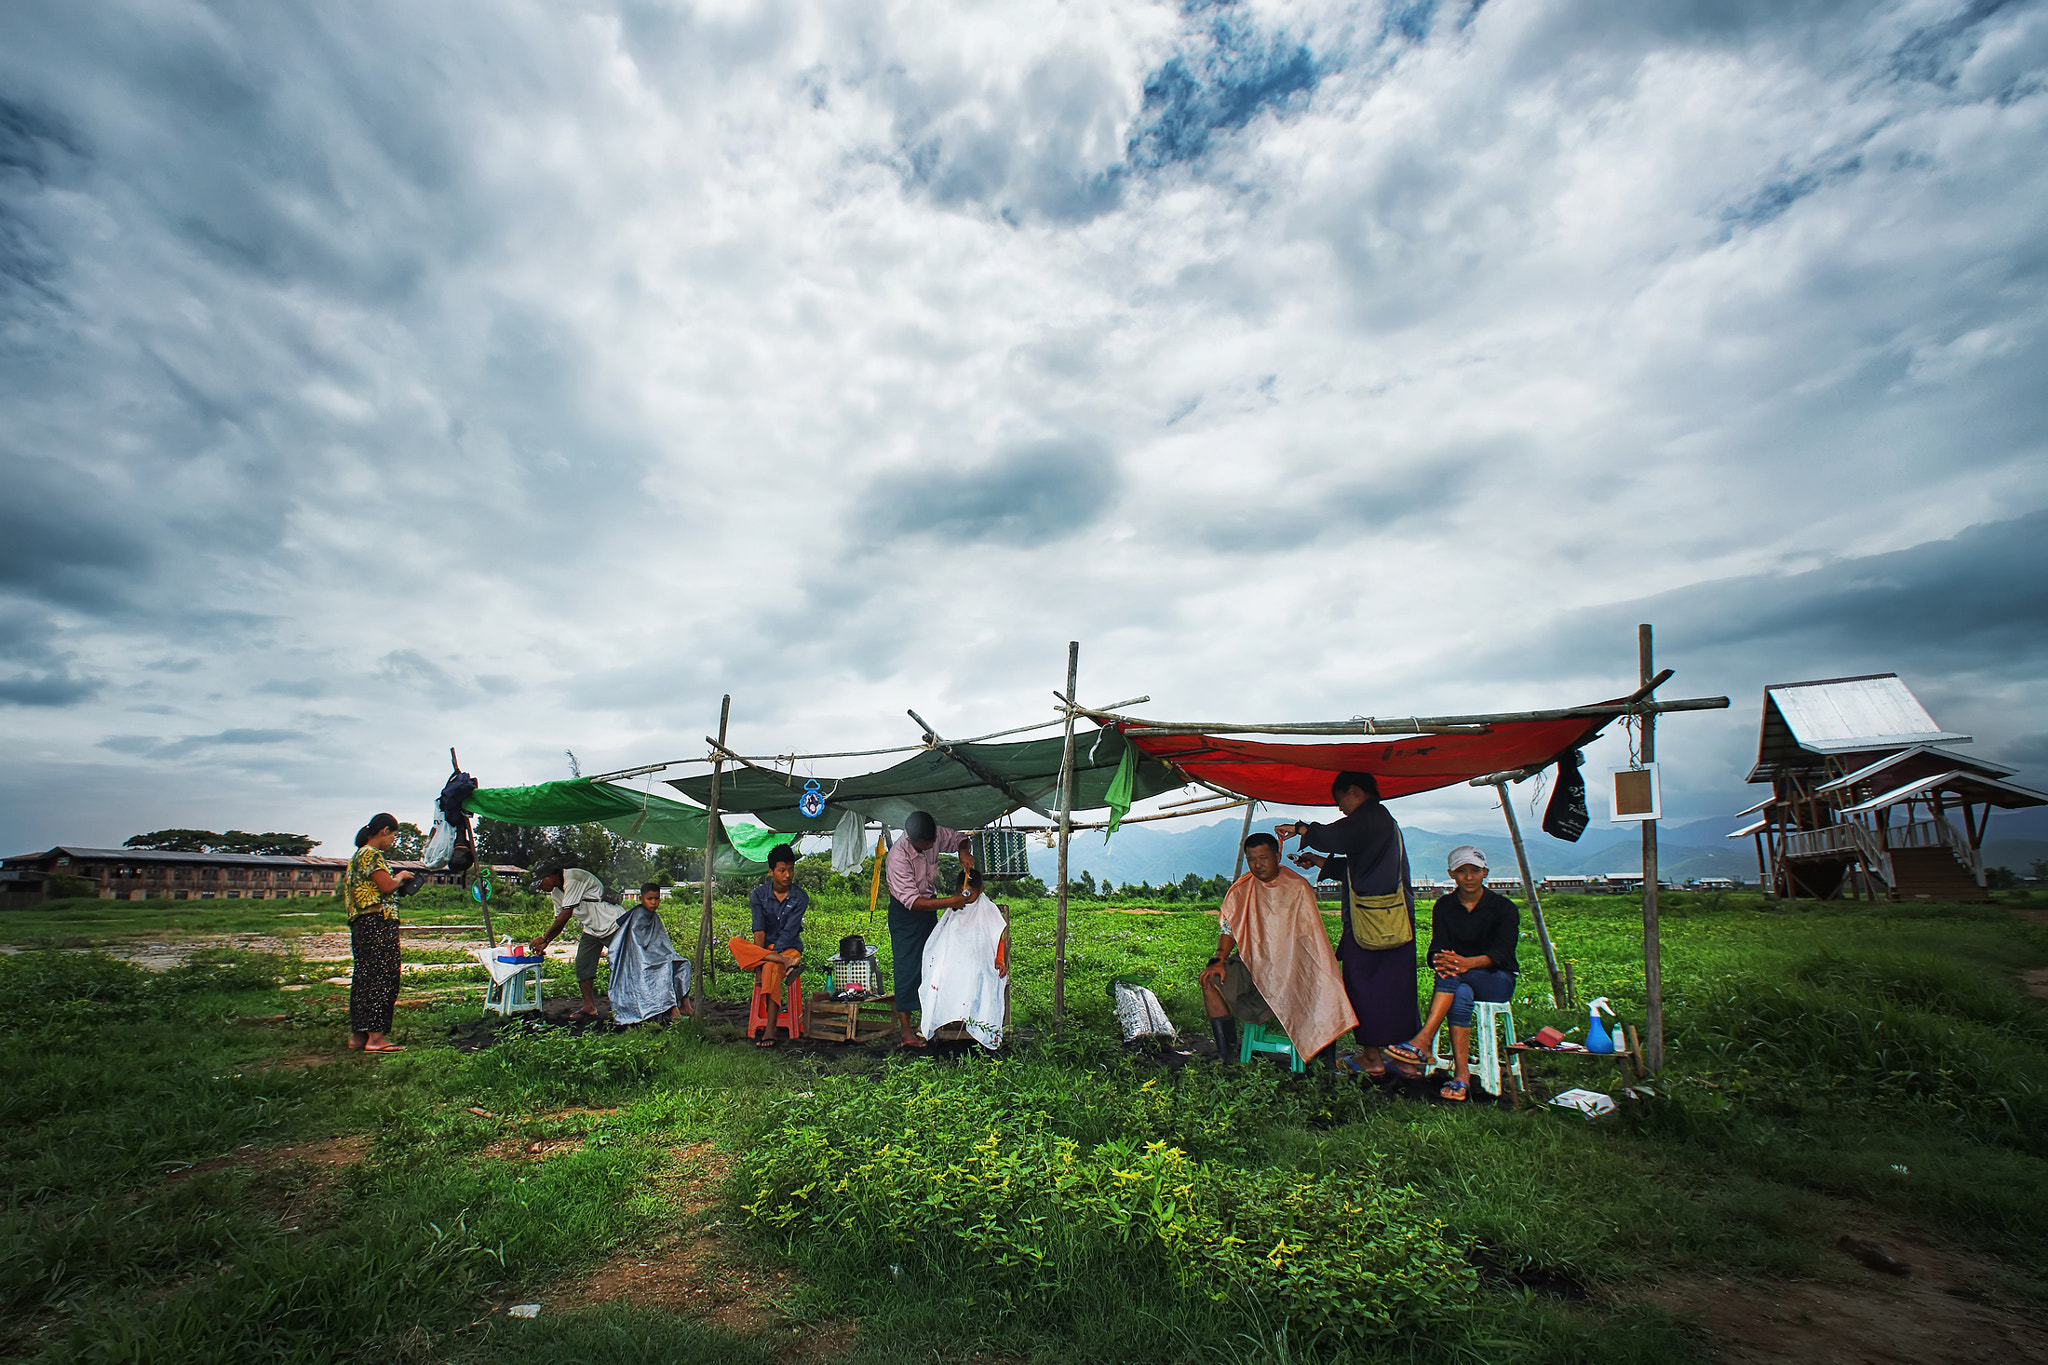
(388, 1047)
(1358, 1068)
(1403, 1070)
(585, 1017)
(1404, 1052)
(1454, 1091)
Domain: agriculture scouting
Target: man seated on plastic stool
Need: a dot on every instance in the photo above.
(1274, 959)
(778, 905)
(1472, 949)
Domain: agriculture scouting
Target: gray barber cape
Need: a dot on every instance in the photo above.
(649, 977)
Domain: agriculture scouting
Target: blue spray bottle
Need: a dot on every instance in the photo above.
(1598, 1039)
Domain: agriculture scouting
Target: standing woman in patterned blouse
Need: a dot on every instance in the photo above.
(371, 894)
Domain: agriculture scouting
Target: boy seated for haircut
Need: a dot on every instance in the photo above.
(778, 905)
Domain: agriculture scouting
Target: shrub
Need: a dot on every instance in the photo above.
(963, 1180)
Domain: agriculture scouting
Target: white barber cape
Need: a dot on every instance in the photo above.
(961, 983)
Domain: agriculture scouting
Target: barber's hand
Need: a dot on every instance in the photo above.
(955, 902)
(1307, 860)
(537, 948)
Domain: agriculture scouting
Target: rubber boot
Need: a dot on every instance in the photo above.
(1225, 1029)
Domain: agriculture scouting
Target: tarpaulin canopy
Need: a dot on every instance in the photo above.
(955, 795)
(1299, 774)
(640, 816)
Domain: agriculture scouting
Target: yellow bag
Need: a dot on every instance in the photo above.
(1382, 921)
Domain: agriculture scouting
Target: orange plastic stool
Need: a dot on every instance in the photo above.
(792, 1007)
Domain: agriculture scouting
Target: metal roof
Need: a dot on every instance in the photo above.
(1918, 761)
(1807, 721)
(1967, 786)
(1747, 830)
(160, 855)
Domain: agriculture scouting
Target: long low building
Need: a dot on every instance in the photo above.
(155, 874)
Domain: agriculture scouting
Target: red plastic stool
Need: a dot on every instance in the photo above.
(792, 1007)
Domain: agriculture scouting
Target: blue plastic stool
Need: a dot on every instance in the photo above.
(518, 993)
(1258, 1038)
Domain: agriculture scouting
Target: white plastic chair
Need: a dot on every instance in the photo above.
(1488, 1047)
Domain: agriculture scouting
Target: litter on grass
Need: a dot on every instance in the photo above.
(524, 1310)
(1591, 1103)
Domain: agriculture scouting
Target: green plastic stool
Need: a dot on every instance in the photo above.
(1490, 1019)
(1258, 1038)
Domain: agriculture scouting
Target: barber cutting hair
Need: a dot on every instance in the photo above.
(912, 873)
(579, 893)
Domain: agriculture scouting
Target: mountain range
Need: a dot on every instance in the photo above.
(1151, 854)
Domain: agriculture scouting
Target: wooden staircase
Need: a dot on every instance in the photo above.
(1933, 874)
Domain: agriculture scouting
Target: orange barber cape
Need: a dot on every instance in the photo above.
(1280, 935)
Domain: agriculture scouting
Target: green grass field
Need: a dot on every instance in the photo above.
(182, 1184)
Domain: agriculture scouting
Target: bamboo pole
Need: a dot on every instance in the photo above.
(1242, 835)
(932, 736)
(1653, 952)
(710, 859)
(1557, 991)
(1059, 945)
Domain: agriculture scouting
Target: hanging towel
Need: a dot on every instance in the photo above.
(965, 976)
(849, 839)
(1280, 935)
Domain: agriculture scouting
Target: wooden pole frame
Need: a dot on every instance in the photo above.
(1243, 834)
(1560, 998)
(710, 859)
(1653, 951)
(1059, 946)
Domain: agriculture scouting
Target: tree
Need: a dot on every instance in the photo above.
(276, 844)
(1999, 878)
(813, 872)
(2038, 869)
(517, 845)
(175, 840)
(1085, 885)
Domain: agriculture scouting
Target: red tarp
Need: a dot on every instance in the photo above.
(1299, 774)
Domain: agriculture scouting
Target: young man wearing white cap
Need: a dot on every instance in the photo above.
(1472, 950)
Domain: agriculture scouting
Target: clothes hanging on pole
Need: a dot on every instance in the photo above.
(849, 842)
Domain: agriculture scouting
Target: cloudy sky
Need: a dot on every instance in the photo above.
(523, 377)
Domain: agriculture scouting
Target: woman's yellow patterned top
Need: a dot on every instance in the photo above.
(359, 885)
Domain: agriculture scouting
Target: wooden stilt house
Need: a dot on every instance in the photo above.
(1868, 796)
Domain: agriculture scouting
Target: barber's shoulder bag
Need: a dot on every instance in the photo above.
(1382, 921)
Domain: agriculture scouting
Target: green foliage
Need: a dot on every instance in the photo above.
(967, 1178)
(234, 841)
(2000, 878)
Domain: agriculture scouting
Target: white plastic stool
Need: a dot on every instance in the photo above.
(518, 993)
(1486, 1065)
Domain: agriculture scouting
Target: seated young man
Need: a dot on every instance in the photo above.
(1274, 959)
(650, 980)
(1472, 950)
(778, 905)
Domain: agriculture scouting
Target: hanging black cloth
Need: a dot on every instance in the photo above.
(1565, 817)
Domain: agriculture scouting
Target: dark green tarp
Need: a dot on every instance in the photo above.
(931, 781)
(639, 816)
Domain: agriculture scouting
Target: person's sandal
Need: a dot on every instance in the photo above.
(1404, 1052)
(1454, 1091)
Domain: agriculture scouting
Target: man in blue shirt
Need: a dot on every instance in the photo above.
(778, 905)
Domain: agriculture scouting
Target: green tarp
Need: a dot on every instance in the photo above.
(639, 816)
(956, 796)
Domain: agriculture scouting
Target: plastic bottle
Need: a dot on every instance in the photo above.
(1598, 1039)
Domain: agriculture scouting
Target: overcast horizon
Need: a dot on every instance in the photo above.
(524, 377)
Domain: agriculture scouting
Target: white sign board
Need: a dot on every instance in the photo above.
(1635, 794)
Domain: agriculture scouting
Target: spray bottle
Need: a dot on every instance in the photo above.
(1598, 1039)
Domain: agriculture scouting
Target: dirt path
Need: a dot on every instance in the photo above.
(1944, 1312)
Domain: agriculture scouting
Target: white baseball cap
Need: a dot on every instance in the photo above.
(1465, 855)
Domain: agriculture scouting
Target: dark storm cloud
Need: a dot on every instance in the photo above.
(1322, 505)
(33, 670)
(1045, 490)
(146, 746)
(67, 541)
(1977, 601)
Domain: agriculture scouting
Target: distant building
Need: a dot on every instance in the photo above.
(153, 874)
(1863, 785)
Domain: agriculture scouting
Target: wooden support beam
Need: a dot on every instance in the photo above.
(710, 865)
(1059, 947)
(932, 737)
(1653, 952)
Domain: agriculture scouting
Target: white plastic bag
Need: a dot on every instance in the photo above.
(440, 840)
(1139, 1013)
(961, 984)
